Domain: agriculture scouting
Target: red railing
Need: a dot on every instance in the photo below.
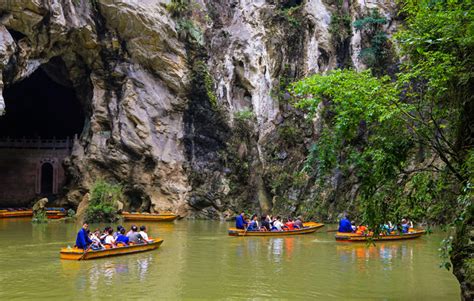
(37, 143)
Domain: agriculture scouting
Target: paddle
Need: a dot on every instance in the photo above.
(85, 252)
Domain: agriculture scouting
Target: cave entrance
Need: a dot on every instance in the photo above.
(46, 179)
(43, 116)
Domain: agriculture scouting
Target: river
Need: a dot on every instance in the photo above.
(197, 260)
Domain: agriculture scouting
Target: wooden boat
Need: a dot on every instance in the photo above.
(151, 217)
(78, 254)
(309, 227)
(353, 237)
(16, 213)
(55, 214)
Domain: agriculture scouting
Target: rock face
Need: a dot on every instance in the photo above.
(185, 107)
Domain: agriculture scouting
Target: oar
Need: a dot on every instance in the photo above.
(85, 252)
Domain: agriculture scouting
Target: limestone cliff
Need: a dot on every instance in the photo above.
(185, 107)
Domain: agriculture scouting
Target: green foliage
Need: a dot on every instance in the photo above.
(244, 115)
(71, 213)
(103, 202)
(374, 55)
(203, 80)
(291, 15)
(40, 218)
(340, 27)
(178, 8)
(373, 125)
(191, 31)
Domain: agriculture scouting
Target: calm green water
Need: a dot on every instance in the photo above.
(199, 261)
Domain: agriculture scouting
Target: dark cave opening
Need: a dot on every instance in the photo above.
(43, 115)
(40, 107)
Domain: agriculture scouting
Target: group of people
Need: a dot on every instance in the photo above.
(267, 223)
(107, 238)
(346, 226)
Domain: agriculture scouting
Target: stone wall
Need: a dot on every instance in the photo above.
(20, 174)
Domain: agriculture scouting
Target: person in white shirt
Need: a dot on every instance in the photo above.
(277, 225)
(144, 235)
(109, 239)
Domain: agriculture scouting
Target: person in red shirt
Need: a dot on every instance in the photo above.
(290, 225)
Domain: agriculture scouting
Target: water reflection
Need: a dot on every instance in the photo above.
(95, 274)
(386, 253)
(277, 249)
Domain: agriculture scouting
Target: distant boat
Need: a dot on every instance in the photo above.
(10, 213)
(79, 254)
(152, 217)
(51, 213)
(353, 237)
(309, 227)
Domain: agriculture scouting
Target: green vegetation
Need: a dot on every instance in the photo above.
(291, 15)
(178, 8)
(202, 79)
(376, 52)
(406, 139)
(40, 218)
(103, 202)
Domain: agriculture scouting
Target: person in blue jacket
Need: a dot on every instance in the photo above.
(83, 241)
(345, 225)
(240, 222)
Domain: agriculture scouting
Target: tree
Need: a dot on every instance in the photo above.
(377, 127)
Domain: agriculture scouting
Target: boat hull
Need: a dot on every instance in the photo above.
(159, 217)
(309, 228)
(13, 214)
(352, 237)
(78, 254)
(51, 214)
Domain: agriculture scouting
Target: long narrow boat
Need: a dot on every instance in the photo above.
(78, 254)
(51, 214)
(55, 214)
(353, 237)
(309, 227)
(151, 217)
(16, 213)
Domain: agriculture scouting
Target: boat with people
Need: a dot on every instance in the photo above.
(308, 227)
(357, 237)
(151, 217)
(80, 254)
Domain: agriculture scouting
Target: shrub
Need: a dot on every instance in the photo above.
(102, 204)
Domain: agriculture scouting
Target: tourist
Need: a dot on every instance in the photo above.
(361, 230)
(405, 226)
(289, 225)
(133, 235)
(96, 244)
(144, 234)
(82, 240)
(345, 225)
(253, 226)
(121, 237)
(265, 223)
(116, 234)
(299, 222)
(109, 239)
(105, 233)
(353, 226)
(277, 224)
(240, 222)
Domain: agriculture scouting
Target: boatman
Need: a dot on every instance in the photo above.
(83, 241)
(345, 225)
(240, 222)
